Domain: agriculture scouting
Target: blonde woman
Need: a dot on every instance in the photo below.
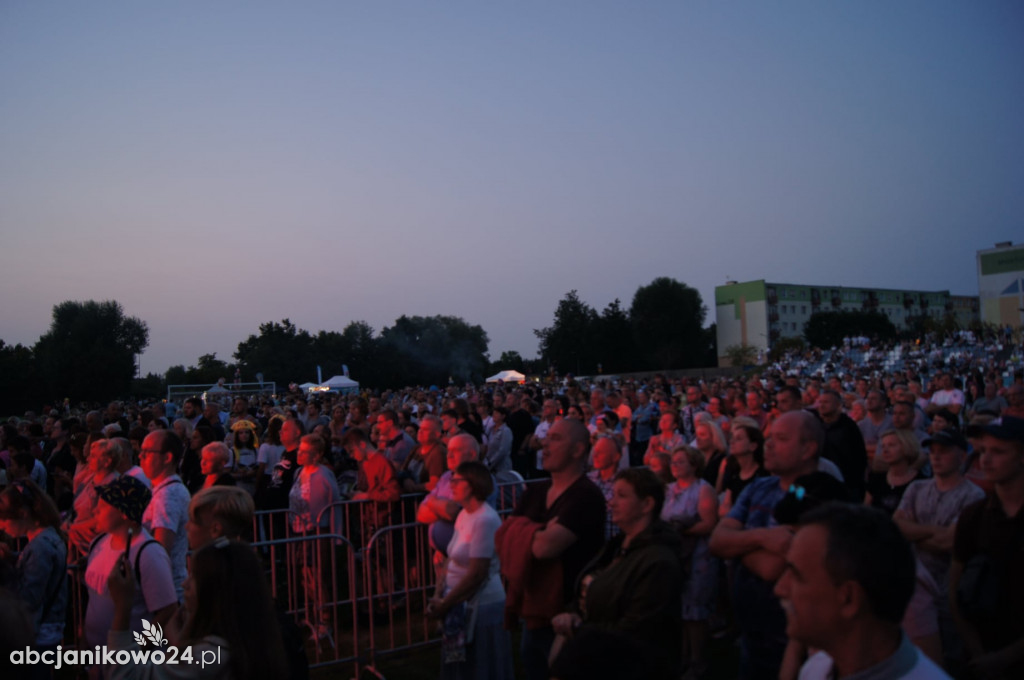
(710, 441)
(900, 451)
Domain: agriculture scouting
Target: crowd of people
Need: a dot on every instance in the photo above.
(856, 522)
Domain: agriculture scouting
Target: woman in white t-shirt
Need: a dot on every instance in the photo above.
(470, 599)
(227, 629)
(120, 507)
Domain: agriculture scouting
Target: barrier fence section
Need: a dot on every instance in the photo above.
(357, 586)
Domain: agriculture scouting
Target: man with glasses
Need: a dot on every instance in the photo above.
(167, 513)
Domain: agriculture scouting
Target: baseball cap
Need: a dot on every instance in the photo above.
(948, 436)
(1007, 427)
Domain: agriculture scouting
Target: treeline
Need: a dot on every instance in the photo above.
(662, 329)
(89, 352)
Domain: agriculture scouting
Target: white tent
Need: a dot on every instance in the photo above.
(306, 387)
(342, 384)
(216, 393)
(507, 376)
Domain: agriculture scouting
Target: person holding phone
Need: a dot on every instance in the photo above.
(229, 620)
(119, 517)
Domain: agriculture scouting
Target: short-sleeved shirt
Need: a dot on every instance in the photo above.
(605, 486)
(871, 431)
(659, 443)
(499, 450)
(758, 611)
(923, 503)
(443, 490)
(269, 454)
(434, 462)
(136, 472)
(398, 449)
(951, 397)
(168, 509)
(474, 538)
(645, 416)
(756, 503)
(731, 480)
(907, 663)
(884, 495)
(156, 591)
(541, 432)
(581, 510)
(310, 495)
(995, 405)
(985, 529)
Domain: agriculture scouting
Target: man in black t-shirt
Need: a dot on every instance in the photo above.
(988, 557)
(572, 510)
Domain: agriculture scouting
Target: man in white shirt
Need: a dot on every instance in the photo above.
(167, 513)
(946, 397)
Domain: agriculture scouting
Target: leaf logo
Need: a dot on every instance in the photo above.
(152, 632)
(139, 640)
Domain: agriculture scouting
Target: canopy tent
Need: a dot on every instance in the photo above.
(507, 376)
(340, 383)
(216, 393)
(306, 387)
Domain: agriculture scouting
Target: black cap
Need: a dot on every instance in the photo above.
(949, 436)
(1007, 428)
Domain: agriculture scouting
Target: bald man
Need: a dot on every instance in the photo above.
(572, 511)
(750, 533)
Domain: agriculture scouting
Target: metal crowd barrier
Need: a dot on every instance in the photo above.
(359, 586)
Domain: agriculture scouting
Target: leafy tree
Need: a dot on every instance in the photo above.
(177, 375)
(364, 354)
(568, 344)
(508, 360)
(613, 339)
(208, 371)
(330, 350)
(89, 352)
(18, 384)
(211, 369)
(430, 350)
(153, 386)
(667, 318)
(783, 345)
(741, 355)
(282, 352)
(355, 347)
(711, 345)
(827, 329)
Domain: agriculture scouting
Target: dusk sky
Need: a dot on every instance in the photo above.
(214, 166)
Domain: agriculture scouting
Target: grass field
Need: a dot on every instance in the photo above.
(424, 663)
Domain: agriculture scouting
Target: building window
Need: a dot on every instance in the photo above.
(803, 309)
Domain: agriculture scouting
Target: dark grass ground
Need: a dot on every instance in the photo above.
(424, 664)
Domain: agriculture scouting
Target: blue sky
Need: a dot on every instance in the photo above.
(213, 166)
